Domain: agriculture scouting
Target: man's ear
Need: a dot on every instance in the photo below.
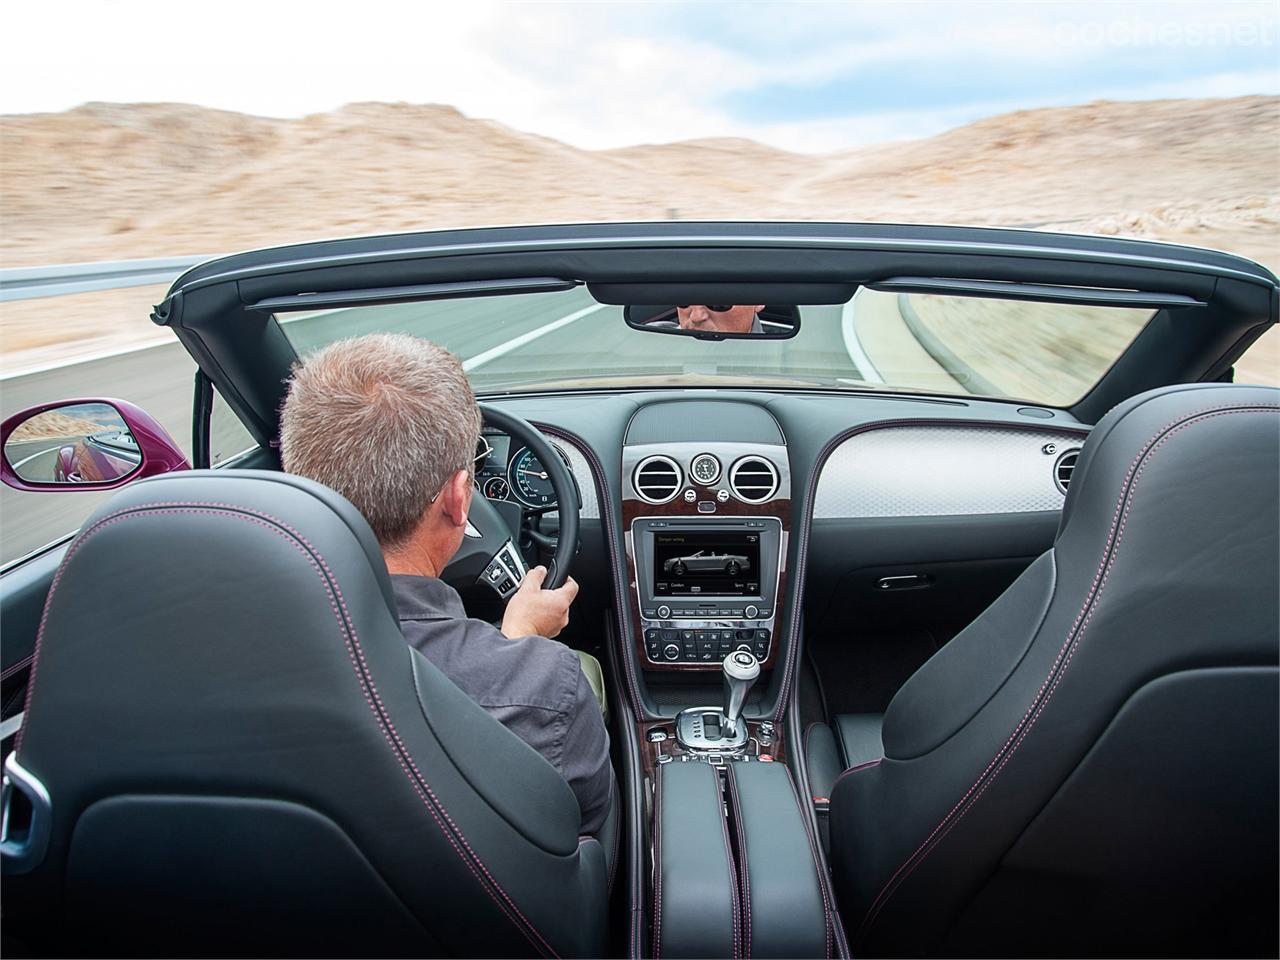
(455, 498)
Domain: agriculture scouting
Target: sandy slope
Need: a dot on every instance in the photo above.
(112, 181)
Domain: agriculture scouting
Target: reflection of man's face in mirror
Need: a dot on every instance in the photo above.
(718, 318)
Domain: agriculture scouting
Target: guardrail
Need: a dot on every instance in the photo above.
(28, 283)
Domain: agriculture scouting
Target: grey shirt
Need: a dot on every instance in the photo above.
(533, 686)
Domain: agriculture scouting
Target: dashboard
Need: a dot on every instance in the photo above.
(711, 519)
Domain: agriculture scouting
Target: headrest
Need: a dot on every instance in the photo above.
(309, 509)
(1138, 434)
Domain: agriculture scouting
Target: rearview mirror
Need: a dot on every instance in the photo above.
(717, 321)
(84, 445)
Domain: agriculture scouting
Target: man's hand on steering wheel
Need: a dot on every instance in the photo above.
(534, 611)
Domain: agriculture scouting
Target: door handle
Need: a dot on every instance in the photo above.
(909, 581)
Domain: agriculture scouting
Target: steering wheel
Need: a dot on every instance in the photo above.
(490, 551)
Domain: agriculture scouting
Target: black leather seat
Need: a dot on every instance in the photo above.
(851, 740)
(1090, 768)
(243, 756)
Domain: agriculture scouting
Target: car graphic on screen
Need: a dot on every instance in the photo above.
(704, 560)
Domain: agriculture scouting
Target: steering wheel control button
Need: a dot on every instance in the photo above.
(752, 611)
(664, 612)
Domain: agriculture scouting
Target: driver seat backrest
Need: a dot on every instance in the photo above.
(243, 755)
(1091, 767)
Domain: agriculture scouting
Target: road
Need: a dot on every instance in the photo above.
(502, 341)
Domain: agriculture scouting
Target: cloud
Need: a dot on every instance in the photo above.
(815, 76)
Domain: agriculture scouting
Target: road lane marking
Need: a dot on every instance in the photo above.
(87, 358)
(480, 359)
(26, 460)
(851, 344)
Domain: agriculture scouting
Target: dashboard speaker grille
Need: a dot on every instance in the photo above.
(657, 479)
(753, 479)
(1064, 468)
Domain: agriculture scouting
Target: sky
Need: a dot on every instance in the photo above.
(809, 77)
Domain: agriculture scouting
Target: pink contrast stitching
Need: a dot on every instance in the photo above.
(344, 620)
(828, 924)
(657, 867)
(731, 780)
(735, 912)
(1078, 628)
(859, 768)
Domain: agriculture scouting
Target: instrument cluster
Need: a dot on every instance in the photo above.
(513, 474)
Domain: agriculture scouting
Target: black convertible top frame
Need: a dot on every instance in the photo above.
(1224, 302)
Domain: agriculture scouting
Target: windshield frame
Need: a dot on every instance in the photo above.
(245, 354)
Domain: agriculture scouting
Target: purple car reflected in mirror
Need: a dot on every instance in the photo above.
(85, 445)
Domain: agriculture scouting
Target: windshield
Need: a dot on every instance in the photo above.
(1048, 354)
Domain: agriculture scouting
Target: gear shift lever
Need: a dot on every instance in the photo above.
(741, 670)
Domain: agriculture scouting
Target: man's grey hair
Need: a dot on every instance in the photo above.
(385, 420)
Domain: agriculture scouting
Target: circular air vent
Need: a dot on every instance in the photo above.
(753, 479)
(657, 479)
(1064, 467)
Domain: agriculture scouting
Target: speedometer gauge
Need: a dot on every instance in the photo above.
(529, 480)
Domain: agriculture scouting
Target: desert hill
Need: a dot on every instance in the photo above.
(113, 181)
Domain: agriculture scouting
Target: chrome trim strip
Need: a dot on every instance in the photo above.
(23, 856)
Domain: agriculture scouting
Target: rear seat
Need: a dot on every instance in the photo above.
(853, 739)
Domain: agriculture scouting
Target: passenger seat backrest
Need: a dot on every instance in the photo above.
(1091, 766)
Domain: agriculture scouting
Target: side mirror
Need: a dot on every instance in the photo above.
(84, 445)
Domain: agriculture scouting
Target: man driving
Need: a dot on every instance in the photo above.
(720, 318)
(390, 422)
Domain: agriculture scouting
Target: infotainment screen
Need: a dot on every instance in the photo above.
(710, 564)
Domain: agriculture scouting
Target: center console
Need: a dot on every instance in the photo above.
(706, 587)
(706, 522)
(706, 526)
